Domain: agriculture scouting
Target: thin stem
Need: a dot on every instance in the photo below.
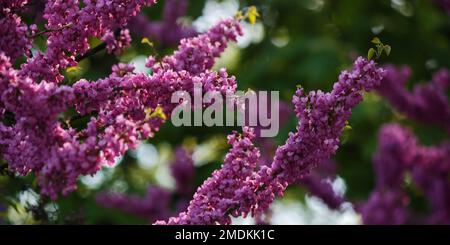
(51, 30)
(95, 50)
(91, 52)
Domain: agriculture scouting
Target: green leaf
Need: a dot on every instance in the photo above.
(147, 41)
(371, 53)
(73, 69)
(239, 15)
(346, 133)
(376, 40)
(387, 49)
(157, 113)
(252, 14)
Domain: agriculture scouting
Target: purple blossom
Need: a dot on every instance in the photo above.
(386, 208)
(431, 174)
(122, 69)
(12, 4)
(239, 188)
(212, 201)
(388, 203)
(15, 41)
(58, 154)
(398, 153)
(168, 30)
(153, 206)
(426, 103)
(183, 171)
(394, 155)
(322, 118)
(116, 45)
(317, 183)
(72, 26)
(198, 54)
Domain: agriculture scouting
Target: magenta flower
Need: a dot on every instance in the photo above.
(426, 103)
(240, 188)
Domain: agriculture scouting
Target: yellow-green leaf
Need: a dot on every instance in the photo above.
(147, 41)
(252, 14)
(346, 133)
(376, 40)
(73, 69)
(157, 113)
(371, 53)
(239, 15)
(387, 49)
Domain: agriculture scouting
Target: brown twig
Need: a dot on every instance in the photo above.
(51, 30)
(95, 50)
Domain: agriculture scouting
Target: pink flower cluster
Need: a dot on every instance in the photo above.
(317, 183)
(399, 153)
(12, 4)
(124, 108)
(116, 45)
(127, 107)
(427, 103)
(240, 188)
(71, 27)
(15, 34)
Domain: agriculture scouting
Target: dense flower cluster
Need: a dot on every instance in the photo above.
(15, 34)
(183, 172)
(124, 108)
(115, 45)
(13, 4)
(322, 118)
(40, 134)
(399, 153)
(427, 103)
(196, 55)
(213, 200)
(71, 27)
(318, 182)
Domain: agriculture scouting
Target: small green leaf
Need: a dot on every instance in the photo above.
(157, 113)
(73, 69)
(346, 133)
(371, 53)
(147, 41)
(387, 49)
(252, 14)
(239, 15)
(376, 40)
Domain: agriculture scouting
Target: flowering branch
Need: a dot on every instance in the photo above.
(50, 30)
(426, 103)
(238, 188)
(37, 142)
(398, 153)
